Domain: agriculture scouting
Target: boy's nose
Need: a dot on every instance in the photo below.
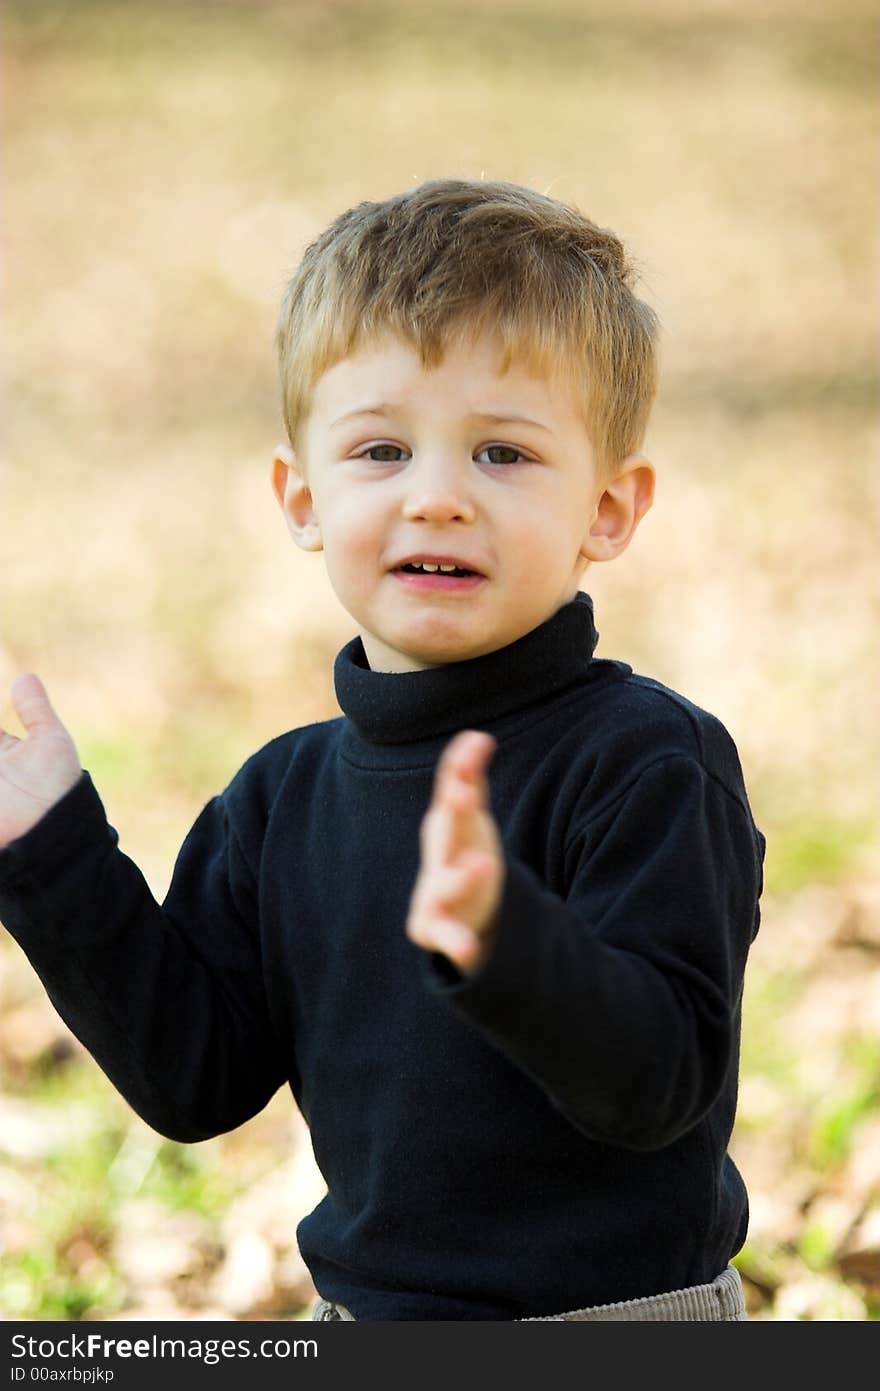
(438, 494)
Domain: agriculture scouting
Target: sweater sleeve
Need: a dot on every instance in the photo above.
(167, 999)
(622, 1000)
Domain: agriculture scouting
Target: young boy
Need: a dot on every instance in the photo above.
(491, 923)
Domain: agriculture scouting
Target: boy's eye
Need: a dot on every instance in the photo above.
(502, 449)
(384, 459)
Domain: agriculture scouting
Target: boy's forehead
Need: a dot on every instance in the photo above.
(385, 370)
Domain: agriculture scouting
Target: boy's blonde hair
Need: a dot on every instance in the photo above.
(452, 257)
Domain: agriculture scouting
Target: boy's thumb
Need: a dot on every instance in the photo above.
(32, 704)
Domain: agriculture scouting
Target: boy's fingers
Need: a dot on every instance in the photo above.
(460, 789)
(453, 882)
(447, 824)
(435, 834)
(463, 763)
(445, 935)
(32, 704)
(466, 751)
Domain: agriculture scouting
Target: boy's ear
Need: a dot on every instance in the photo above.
(295, 499)
(619, 508)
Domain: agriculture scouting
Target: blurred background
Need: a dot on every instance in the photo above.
(166, 162)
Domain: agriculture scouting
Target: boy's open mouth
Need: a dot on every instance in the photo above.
(425, 569)
(418, 574)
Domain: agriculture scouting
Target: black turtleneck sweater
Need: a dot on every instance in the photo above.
(547, 1134)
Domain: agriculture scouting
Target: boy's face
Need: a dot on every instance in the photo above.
(403, 463)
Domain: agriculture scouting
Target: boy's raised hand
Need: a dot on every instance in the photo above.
(461, 875)
(35, 772)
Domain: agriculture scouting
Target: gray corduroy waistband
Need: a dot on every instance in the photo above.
(721, 1301)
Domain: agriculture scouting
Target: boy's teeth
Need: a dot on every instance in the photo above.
(430, 568)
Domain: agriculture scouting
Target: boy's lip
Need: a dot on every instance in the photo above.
(418, 557)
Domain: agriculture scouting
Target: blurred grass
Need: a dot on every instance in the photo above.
(165, 164)
(837, 1118)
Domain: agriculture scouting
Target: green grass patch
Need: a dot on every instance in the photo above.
(813, 851)
(194, 756)
(837, 1119)
(769, 995)
(185, 1178)
(39, 1285)
(816, 1246)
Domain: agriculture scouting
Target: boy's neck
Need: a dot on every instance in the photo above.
(402, 708)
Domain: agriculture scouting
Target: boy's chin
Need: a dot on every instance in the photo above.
(384, 654)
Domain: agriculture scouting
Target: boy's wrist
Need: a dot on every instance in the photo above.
(60, 832)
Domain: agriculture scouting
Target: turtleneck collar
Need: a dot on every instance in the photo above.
(402, 708)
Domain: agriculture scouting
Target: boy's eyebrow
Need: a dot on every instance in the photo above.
(385, 408)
